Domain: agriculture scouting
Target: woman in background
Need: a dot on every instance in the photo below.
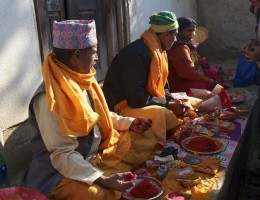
(185, 69)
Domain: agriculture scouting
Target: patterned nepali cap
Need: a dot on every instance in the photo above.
(74, 34)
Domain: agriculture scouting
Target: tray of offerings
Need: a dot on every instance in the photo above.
(202, 145)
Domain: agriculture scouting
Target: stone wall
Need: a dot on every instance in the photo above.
(229, 24)
(20, 61)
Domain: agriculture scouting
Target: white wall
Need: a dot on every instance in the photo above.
(20, 62)
(141, 10)
(229, 24)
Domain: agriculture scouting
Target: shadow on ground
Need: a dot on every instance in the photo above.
(17, 151)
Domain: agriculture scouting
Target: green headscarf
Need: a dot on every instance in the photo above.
(163, 21)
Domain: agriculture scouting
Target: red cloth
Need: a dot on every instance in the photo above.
(21, 193)
(210, 73)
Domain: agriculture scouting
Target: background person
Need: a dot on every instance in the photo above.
(253, 54)
(185, 71)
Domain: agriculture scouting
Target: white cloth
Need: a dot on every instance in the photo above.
(64, 158)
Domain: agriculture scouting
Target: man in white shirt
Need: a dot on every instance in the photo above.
(80, 148)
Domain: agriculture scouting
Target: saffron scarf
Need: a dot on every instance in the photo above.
(159, 65)
(65, 98)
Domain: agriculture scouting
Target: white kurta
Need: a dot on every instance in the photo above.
(64, 158)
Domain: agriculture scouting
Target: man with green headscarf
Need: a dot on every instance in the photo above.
(136, 81)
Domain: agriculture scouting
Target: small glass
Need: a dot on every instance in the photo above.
(217, 112)
(184, 172)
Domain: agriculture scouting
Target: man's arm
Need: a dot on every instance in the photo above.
(63, 156)
(138, 125)
(121, 123)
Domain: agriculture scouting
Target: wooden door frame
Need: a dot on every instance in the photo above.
(117, 26)
(116, 20)
(44, 35)
(43, 26)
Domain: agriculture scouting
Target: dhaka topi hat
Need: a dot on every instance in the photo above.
(74, 34)
(163, 21)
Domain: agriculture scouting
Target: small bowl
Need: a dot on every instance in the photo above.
(172, 195)
(190, 181)
(153, 181)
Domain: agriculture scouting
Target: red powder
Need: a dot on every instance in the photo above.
(202, 144)
(130, 177)
(144, 189)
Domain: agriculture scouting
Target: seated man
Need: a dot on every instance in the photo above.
(136, 81)
(78, 154)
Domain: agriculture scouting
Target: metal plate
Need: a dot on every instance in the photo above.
(217, 142)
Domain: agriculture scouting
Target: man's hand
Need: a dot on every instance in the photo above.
(140, 125)
(177, 108)
(119, 181)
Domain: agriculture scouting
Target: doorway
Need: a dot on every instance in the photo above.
(112, 24)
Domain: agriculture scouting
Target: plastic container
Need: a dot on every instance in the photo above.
(184, 172)
(190, 181)
(161, 172)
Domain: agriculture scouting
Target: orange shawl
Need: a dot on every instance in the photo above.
(65, 98)
(159, 65)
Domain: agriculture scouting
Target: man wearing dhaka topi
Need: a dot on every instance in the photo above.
(81, 150)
